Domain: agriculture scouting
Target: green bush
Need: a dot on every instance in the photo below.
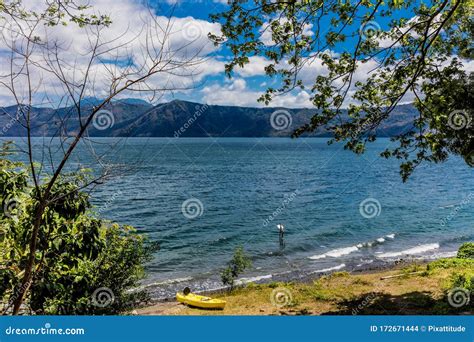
(466, 251)
(464, 280)
(449, 263)
(84, 265)
(239, 263)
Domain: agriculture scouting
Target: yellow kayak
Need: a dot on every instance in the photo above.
(200, 301)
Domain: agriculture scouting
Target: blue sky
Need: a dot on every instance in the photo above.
(252, 83)
(205, 82)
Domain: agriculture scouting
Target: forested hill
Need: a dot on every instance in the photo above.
(132, 117)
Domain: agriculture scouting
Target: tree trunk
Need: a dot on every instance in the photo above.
(27, 278)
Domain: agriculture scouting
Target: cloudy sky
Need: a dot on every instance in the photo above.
(135, 31)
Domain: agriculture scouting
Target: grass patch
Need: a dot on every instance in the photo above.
(348, 294)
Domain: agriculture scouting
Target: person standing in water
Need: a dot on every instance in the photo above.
(281, 231)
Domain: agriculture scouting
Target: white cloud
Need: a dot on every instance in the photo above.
(237, 93)
(255, 67)
(135, 31)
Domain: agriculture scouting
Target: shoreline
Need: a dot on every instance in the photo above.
(302, 277)
(330, 293)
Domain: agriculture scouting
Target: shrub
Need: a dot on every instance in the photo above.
(238, 264)
(84, 265)
(466, 251)
(464, 280)
(448, 263)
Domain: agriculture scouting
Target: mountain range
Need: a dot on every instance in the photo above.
(137, 118)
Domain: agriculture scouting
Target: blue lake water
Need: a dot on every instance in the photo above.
(239, 189)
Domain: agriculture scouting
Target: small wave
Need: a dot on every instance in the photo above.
(252, 279)
(411, 251)
(447, 206)
(365, 262)
(330, 269)
(442, 255)
(169, 282)
(336, 253)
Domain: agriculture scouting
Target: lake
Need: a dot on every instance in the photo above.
(200, 198)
